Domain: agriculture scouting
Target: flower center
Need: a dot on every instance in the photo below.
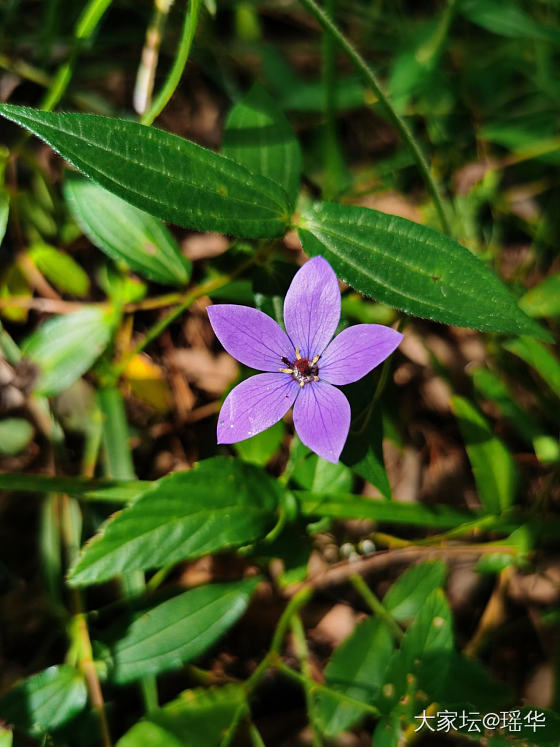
(303, 370)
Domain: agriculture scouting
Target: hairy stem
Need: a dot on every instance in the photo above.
(330, 27)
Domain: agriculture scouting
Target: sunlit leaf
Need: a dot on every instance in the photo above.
(220, 503)
(60, 269)
(65, 347)
(412, 267)
(162, 173)
(45, 700)
(126, 233)
(409, 592)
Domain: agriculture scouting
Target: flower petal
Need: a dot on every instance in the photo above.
(255, 405)
(250, 336)
(322, 419)
(312, 307)
(355, 351)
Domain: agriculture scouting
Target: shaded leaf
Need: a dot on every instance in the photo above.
(220, 503)
(45, 701)
(165, 636)
(540, 358)
(195, 718)
(126, 233)
(356, 669)
(543, 299)
(65, 347)
(494, 469)
(258, 136)
(409, 592)
(411, 267)
(162, 173)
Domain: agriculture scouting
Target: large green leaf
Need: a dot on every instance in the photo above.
(45, 700)
(409, 592)
(158, 638)
(411, 267)
(65, 347)
(356, 669)
(258, 135)
(424, 657)
(126, 233)
(493, 467)
(197, 717)
(162, 173)
(220, 503)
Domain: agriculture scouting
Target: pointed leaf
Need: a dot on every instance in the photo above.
(540, 358)
(60, 269)
(412, 267)
(126, 233)
(494, 470)
(259, 136)
(220, 503)
(162, 173)
(409, 592)
(165, 636)
(356, 669)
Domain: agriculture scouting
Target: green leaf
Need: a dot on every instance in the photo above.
(543, 299)
(261, 448)
(258, 136)
(6, 737)
(490, 387)
(197, 717)
(407, 595)
(65, 347)
(60, 269)
(220, 503)
(507, 20)
(363, 451)
(15, 435)
(45, 701)
(470, 683)
(540, 358)
(162, 173)
(356, 669)
(412, 267)
(495, 473)
(165, 636)
(388, 732)
(424, 658)
(111, 491)
(126, 233)
(347, 506)
(322, 477)
(4, 211)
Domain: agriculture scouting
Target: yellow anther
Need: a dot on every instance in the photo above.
(314, 361)
(298, 356)
(315, 378)
(301, 384)
(287, 370)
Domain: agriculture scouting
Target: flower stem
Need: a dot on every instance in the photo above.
(174, 76)
(329, 26)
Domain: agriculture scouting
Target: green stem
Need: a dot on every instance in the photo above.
(377, 608)
(119, 465)
(174, 76)
(302, 653)
(327, 24)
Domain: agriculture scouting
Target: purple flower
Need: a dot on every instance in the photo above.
(301, 366)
